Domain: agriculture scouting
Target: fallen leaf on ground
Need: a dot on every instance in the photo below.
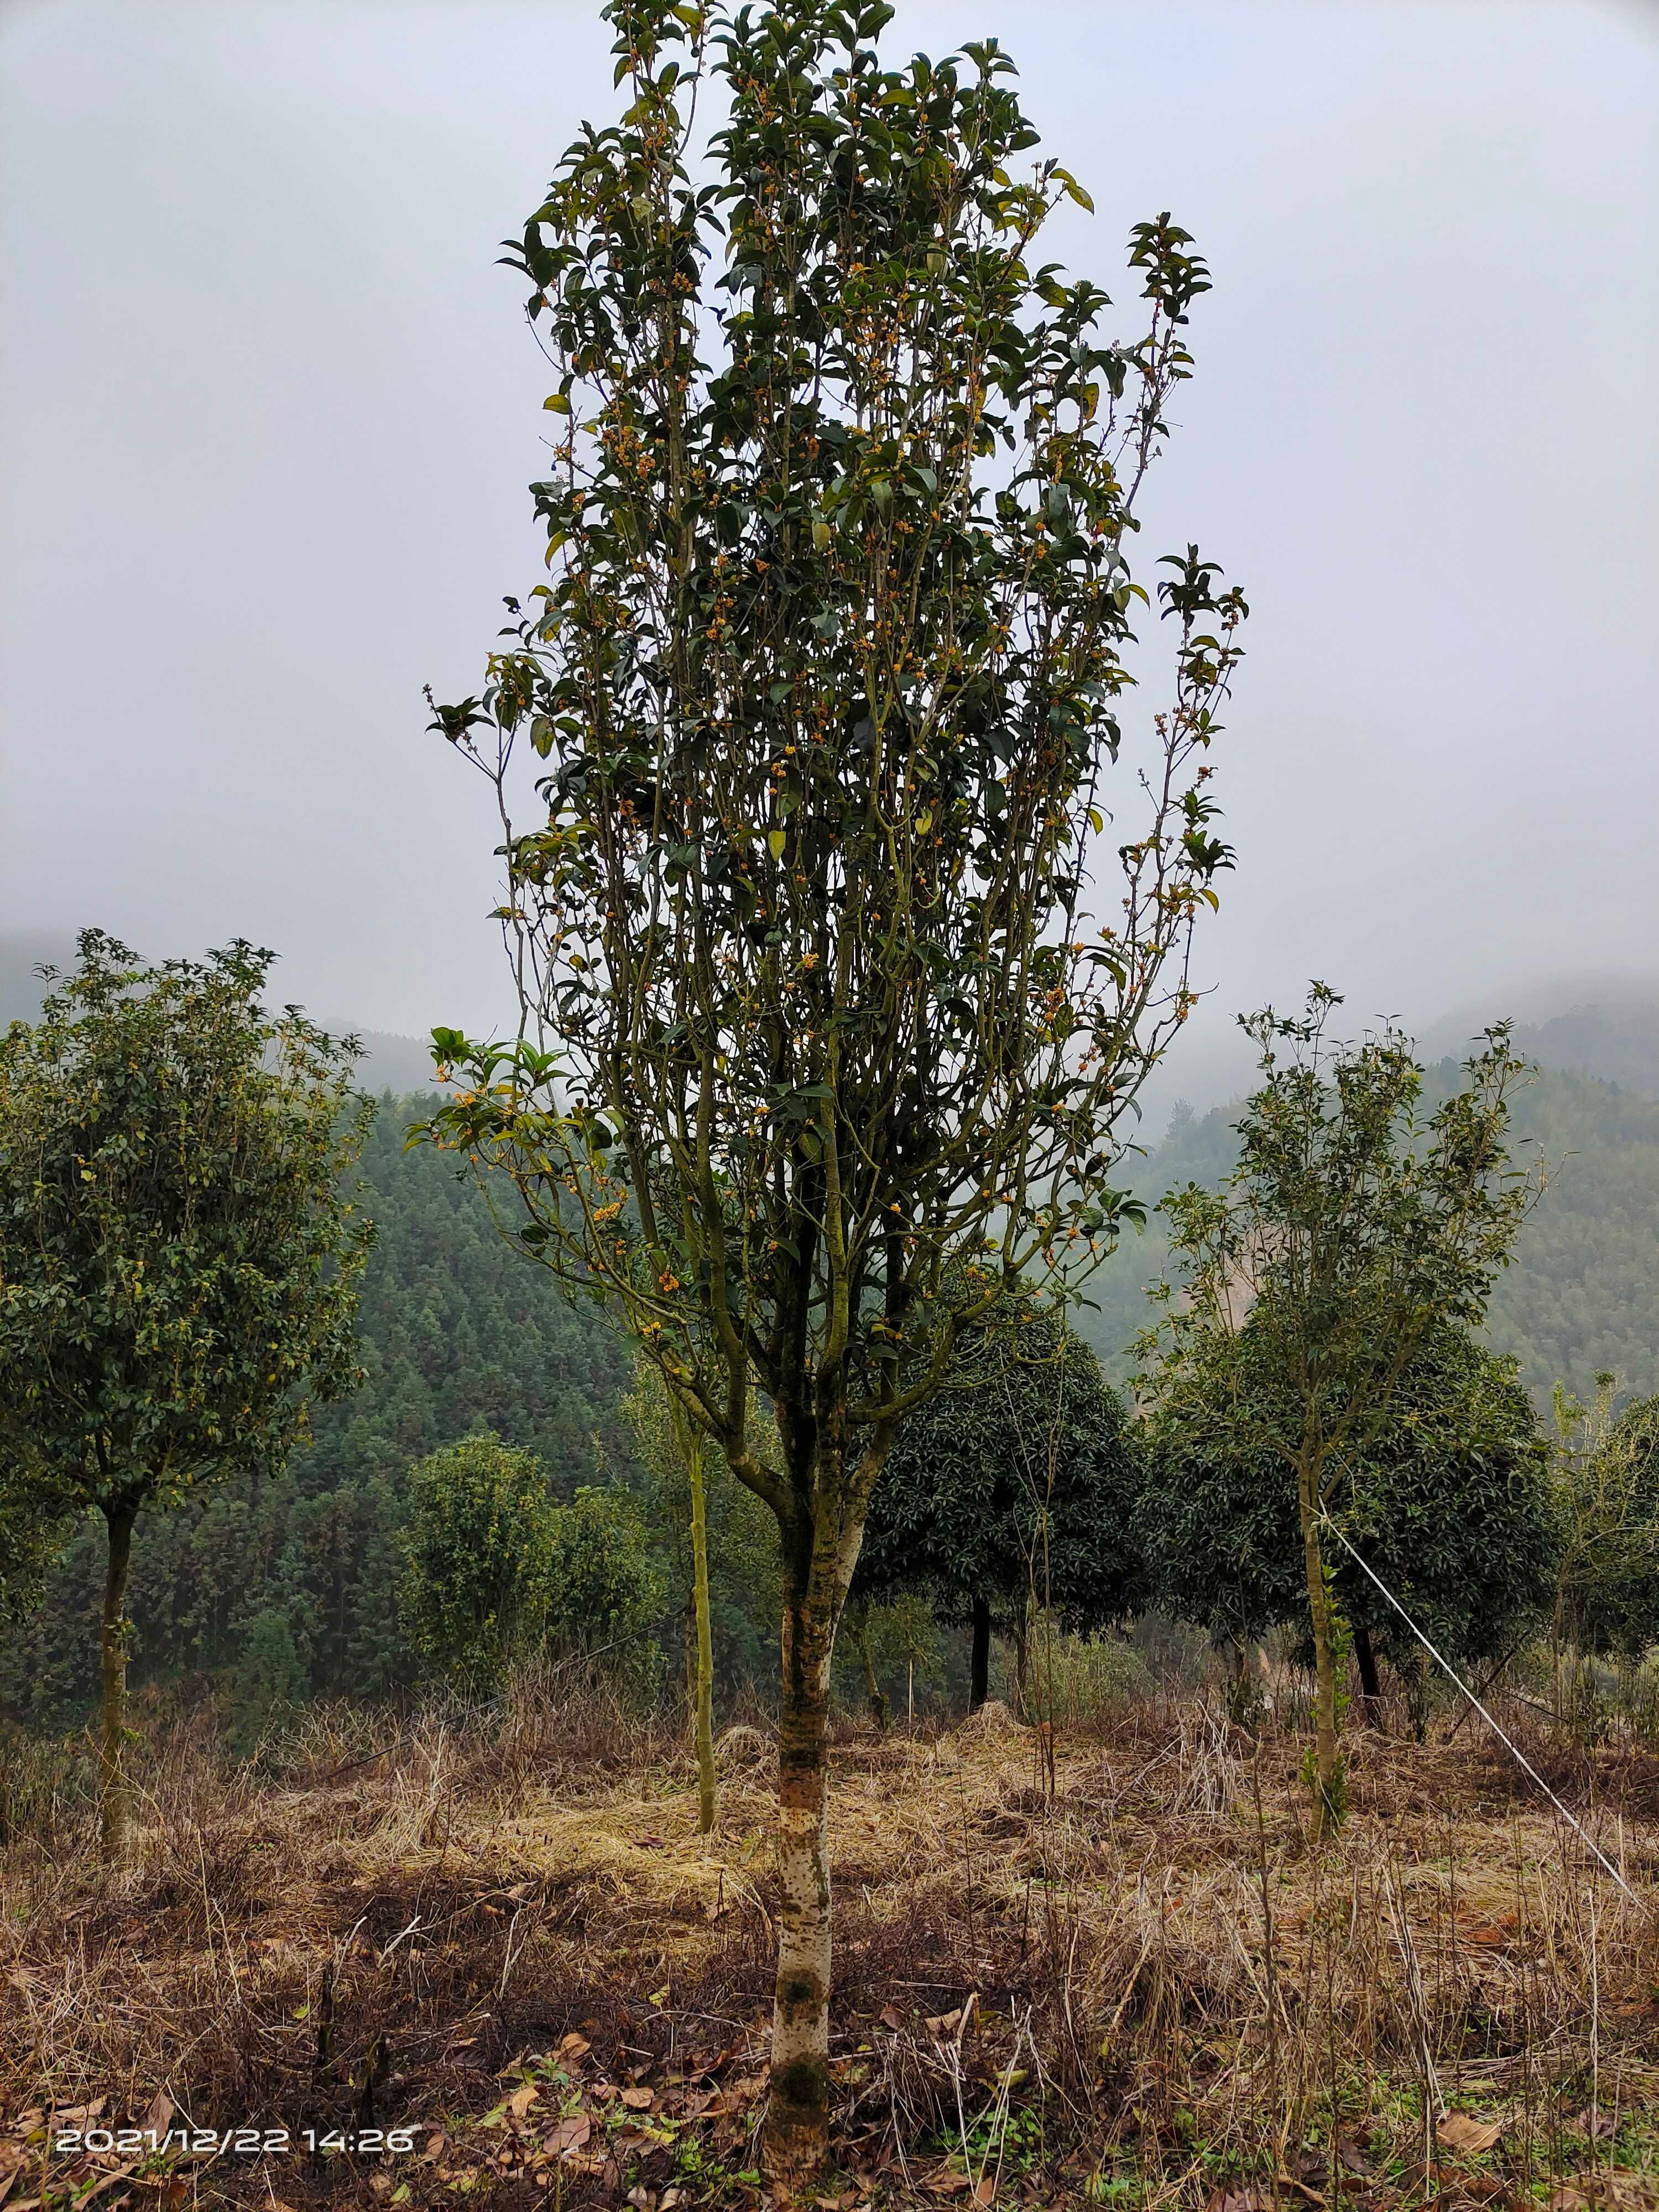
(637, 2100)
(1300, 2189)
(569, 2136)
(1461, 2131)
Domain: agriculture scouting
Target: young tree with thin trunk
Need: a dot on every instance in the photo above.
(179, 1258)
(1351, 1232)
(692, 1442)
(827, 1027)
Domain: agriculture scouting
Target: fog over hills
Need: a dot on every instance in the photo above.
(390, 1061)
(1607, 1028)
(1584, 1293)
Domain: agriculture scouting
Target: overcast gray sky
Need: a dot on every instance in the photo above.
(267, 411)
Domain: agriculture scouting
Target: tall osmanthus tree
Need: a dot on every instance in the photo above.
(1352, 1229)
(179, 1257)
(827, 1027)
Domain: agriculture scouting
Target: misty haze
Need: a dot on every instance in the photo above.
(829, 1071)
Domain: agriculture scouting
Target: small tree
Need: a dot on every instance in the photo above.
(481, 1543)
(706, 1511)
(826, 675)
(1448, 1501)
(498, 1570)
(1011, 1493)
(1350, 1230)
(1607, 1487)
(606, 1596)
(179, 1260)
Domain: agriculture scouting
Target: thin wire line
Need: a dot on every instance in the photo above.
(1588, 1841)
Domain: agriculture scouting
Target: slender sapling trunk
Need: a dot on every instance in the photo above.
(116, 1811)
(692, 1444)
(1327, 1805)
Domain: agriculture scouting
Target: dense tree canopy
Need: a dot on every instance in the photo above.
(498, 1569)
(1013, 1490)
(1448, 1502)
(179, 1256)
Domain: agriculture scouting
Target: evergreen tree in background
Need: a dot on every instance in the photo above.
(1013, 1492)
(1353, 1227)
(1607, 1484)
(499, 1570)
(1449, 1501)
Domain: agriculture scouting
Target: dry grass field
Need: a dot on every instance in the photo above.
(1109, 1974)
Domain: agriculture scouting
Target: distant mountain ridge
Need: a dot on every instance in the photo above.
(1582, 1293)
(1619, 1045)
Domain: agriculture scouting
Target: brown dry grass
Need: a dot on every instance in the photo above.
(1130, 1983)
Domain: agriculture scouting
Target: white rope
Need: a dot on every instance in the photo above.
(1521, 1757)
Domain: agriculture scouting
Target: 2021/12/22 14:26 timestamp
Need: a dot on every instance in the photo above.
(235, 2142)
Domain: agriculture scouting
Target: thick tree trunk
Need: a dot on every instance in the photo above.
(1371, 1685)
(704, 1687)
(798, 2116)
(116, 1811)
(979, 1675)
(1327, 1800)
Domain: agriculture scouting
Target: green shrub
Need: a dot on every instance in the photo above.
(480, 1542)
(498, 1570)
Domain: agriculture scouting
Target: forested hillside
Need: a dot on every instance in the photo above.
(1583, 1291)
(285, 1586)
(287, 1582)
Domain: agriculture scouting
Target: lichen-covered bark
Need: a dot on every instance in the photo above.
(798, 2117)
